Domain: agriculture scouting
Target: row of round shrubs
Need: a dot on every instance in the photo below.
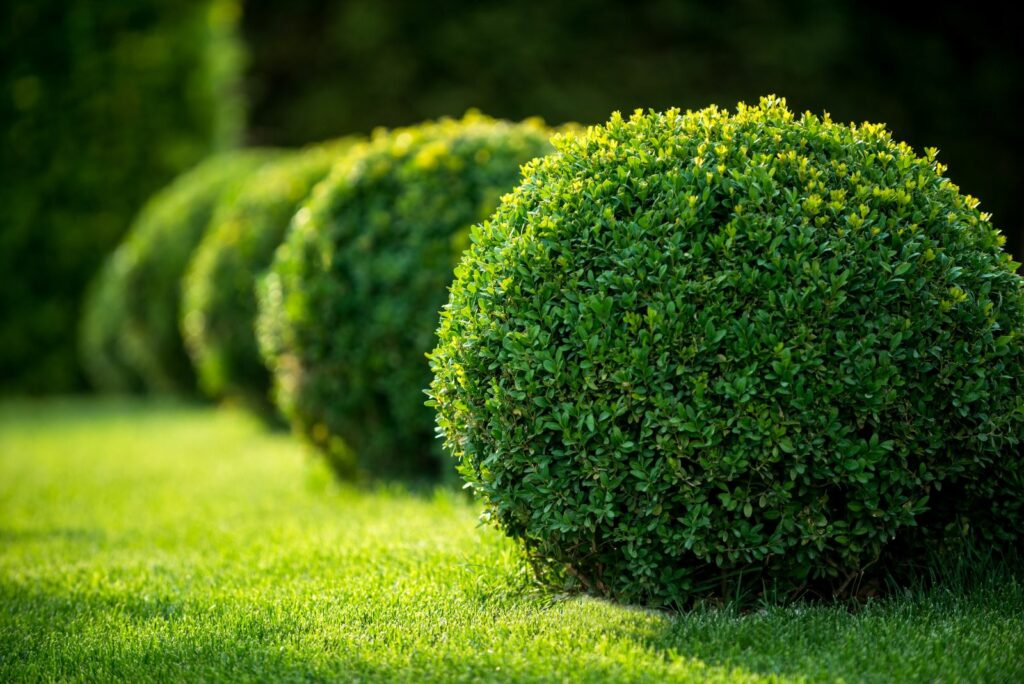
(218, 290)
(349, 308)
(688, 352)
(129, 335)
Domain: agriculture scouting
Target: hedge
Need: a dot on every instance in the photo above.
(104, 102)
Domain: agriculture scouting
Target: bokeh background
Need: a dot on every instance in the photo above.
(103, 102)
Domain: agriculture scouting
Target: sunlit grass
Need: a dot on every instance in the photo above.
(155, 542)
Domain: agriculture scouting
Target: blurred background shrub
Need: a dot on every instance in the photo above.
(101, 329)
(101, 104)
(132, 318)
(219, 290)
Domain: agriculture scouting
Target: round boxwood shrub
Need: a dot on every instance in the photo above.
(709, 350)
(218, 292)
(155, 254)
(348, 310)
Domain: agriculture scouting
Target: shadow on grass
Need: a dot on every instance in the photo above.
(966, 626)
(937, 635)
(63, 535)
(88, 636)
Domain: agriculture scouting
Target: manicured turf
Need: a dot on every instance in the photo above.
(157, 542)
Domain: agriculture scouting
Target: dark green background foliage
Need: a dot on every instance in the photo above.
(132, 322)
(694, 345)
(218, 293)
(947, 75)
(350, 307)
(101, 104)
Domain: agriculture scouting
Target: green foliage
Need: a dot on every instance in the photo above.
(132, 318)
(101, 329)
(349, 308)
(702, 350)
(218, 292)
(102, 103)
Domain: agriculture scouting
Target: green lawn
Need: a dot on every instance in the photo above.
(156, 542)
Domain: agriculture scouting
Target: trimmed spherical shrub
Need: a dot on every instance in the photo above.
(218, 292)
(707, 352)
(138, 330)
(348, 310)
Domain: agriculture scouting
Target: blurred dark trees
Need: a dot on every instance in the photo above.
(101, 103)
(939, 75)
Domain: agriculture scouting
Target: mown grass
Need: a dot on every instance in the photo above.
(165, 542)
